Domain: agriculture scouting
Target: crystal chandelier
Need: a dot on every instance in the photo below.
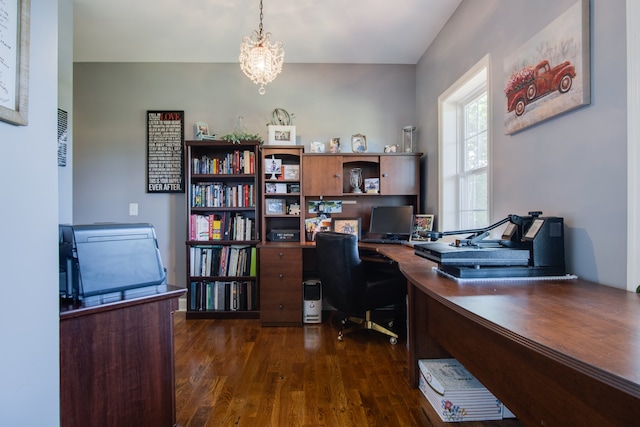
(261, 60)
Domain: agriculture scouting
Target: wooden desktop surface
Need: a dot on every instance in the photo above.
(555, 352)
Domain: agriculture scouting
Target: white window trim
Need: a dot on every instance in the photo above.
(447, 112)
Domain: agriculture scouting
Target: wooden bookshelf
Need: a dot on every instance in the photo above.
(223, 229)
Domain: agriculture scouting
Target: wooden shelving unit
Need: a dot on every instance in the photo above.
(223, 212)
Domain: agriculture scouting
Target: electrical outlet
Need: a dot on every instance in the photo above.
(133, 209)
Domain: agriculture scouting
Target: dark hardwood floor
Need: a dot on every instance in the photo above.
(232, 372)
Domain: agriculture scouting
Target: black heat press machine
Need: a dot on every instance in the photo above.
(530, 246)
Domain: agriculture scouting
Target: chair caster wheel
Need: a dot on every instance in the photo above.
(340, 337)
(393, 340)
(390, 324)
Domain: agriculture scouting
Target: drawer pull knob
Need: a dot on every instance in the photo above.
(281, 254)
(280, 306)
(281, 275)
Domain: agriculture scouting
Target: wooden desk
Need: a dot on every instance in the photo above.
(116, 361)
(283, 268)
(555, 352)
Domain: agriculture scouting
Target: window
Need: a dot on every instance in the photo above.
(464, 195)
(474, 160)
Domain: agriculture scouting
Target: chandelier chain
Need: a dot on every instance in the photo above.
(261, 16)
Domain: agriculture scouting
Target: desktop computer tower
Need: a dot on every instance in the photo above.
(312, 301)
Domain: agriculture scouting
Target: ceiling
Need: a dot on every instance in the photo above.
(312, 31)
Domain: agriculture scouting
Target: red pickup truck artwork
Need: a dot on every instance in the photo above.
(531, 83)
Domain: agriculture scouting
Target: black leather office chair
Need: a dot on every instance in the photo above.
(352, 290)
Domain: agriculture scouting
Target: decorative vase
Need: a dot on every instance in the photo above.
(355, 179)
(408, 135)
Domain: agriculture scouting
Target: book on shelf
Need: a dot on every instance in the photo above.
(253, 267)
(236, 162)
(221, 295)
(221, 195)
(221, 226)
(222, 261)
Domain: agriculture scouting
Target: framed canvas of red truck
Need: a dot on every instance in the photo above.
(549, 75)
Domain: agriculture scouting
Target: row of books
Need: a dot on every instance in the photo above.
(223, 295)
(220, 195)
(221, 226)
(237, 162)
(234, 260)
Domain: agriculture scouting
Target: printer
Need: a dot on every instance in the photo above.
(530, 246)
(108, 259)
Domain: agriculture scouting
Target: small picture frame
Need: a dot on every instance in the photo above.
(291, 172)
(270, 188)
(358, 143)
(317, 147)
(421, 223)
(202, 132)
(372, 185)
(282, 135)
(272, 166)
(275, 206)
(347, 225)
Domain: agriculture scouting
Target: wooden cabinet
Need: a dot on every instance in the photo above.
(223, 228)
(281, 284)
(328, 174)
(116, 361)
(399, 174)
(323, 180)
(327, 179)
(324, 176)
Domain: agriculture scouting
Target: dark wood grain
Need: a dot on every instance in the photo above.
(116, 363)
(557, 352)
(280, 285)
(235, 373)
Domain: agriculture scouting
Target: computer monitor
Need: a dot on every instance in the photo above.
(391, 222)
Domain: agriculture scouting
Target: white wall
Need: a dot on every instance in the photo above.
(65, 103)
(29, 395)
(572, 166)
(111, 100)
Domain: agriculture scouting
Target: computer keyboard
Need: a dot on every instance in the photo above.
(385, 241)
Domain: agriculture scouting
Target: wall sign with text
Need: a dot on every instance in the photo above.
(165, 151)
(15, 23)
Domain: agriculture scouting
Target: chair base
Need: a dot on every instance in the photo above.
(367, 323)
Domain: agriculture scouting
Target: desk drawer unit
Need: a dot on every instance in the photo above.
(280, 286)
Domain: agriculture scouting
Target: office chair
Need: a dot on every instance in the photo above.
(352, 290)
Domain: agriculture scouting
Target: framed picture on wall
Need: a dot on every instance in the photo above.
(549, 74)
(15, 21)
